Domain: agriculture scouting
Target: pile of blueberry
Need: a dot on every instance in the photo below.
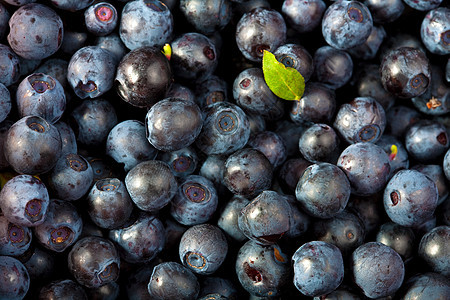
(133, 169)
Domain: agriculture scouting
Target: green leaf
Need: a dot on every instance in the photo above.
(287, 83)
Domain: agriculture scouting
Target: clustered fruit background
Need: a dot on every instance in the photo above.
(129, 172)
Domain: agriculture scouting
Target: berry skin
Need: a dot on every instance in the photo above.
(435, 31)
(318, 268)
(433, 249)
(14, 279)
(101, 18)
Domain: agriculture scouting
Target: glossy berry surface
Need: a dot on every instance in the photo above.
(346, 24)
(423, 5)
(434, 251)
(155, 24)
(10, 72)
(89, 73)
(426, 285)
(127, 144)
(225, 129)
(94, 261)
(140, 240)
(258, 30)
(109, 204)
(410, 198)
(385, 11)
(60, 289)
(14, 278)
(5, 102)
(182, 162)
(323, 190)
(44, 22)
(405, 72)
(361, 120)
(303, 16)
(332, 67)
(171, 280)
(32, 132)
(366, 166)
(297, 57)
(207, 16)
(435, 31)
(14, 239)
(262, 270)
(271, 145)
(101, 18)
(136, 81)
(377, 270)
(24, 201)
(61, 228)
(195, 201)
(173, 124)
(319, 143)
(203, 249)
(151, 185)
(266, 218)
(318, 268)
(247, 172)
(399, 238)
(228, 220)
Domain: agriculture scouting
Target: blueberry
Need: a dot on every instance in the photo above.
(40, 264)
(377, 269)
(319, 143)
(258, 30)
(318, 268)
(170, 280)
(15, 239)
(361, 120)
(436, 174)
(398, 156)
(219, 286)
(423, 5)
(136, 69)
(266, 218)
(333, 67)
(4, 18)
(90, 71)
(63, 288)
(399, 118)
(173, 124)
(436, 99)
(180, 91)
(5, 102)
(194, 56)
(14, 278)
(101, 18)
(68, 138)
(61, 228)
(369, 49)
(127, 144)
(345, 230)
(323, 190)
(71, 178)
(368, 84)
(36, 31)
(195, 201)
(405, 72)
(410, 198)
(151, 185)
(399, 238)
(385, 11)
(299, 222)
(107, 291)
(10, 71)
(140, 240)
(247, 172)
(203, 249)
(297, 57)
(103, 168)
(426, 286)
(303, 16)
(346, 24)
(370, 210)
(434, 251)
(225, 129)
(207, 16)
(24, 201)
(155, 24)
(262, 270)
(4, 127)
(318, 105)
(109, 204)
(212, 169)
(137, 281)
(435, 31)
(94, 261)
(92, 120)
(55, 68)
(113, 44)
(73, 40)
(182, 162)
(366, 166)
(228, 219)
(426, 141)
(252, 94)
(271, 145)
(211, 90)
